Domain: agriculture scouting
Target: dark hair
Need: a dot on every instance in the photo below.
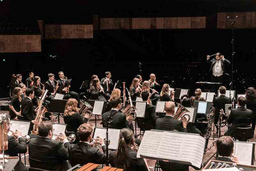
(44, 128)
(50, 75)
(186, 102)
(84, 131)
(242, 101)
(126, 139)
(31, 73)
(29, 91)
(250, 93)
(145, 95)
(225, 146)
(115, 101)
(16, 91)
(222, 90)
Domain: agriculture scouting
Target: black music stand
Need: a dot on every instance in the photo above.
(57, 106)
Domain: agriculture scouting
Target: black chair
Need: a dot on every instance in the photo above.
(243, 133)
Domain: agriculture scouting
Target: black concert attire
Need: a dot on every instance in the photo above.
(219, 103)
(16, 104)
(225, 159)
(82, 153)
(148, 122)
(12, 83)
(238, 118)
(38, 89)
(47, 154)
(218, 69)
(134, 94)
(29, 82)
(107, 85)
(251, 104)
(50, 86)
(154, 97)
(14, 148)
(169, 123)
(116, 119)
(27, 110)
(135, 164)
(165, 97)
(62, 83)
(73, 122)
(97, 93)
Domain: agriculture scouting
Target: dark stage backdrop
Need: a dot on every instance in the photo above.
(173, 55)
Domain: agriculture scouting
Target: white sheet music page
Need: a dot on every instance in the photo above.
(21, 126)
(113, 136)
(202, 106)
(243, 151)
(174, 146)
(223, 169)
(98, 107)
(58, 128)
(203, 94)
(210, 97)
(59, 96)
(140, 109)
(183, 92)
(191, 113)
(150, 144)
(139, 99)
(160, 106)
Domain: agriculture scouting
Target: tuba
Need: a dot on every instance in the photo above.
(182, 112)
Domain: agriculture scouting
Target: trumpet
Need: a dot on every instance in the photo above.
(25, 137)
(71, 138)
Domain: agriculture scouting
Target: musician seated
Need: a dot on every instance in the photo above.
(115, 93)
(126, 155)
(96, 91)
(72, 118)
(165, 93)
(107, 83)
(51, 85)
(225, 149)
(168, 122)
(239, 117)
(197, 97)
(114, 117)
(135, 89)
(83, 152)
(16, 145)
(45, 153)
(27, 109)
(148, 122)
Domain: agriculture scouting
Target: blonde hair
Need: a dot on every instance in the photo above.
(165, 89)
(115, 93)
(73, 103)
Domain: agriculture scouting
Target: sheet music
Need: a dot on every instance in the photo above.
(59, 96)
(203, 94)
(98, 107)
(239, 95)
(139, 99)
(113, 136)
(140, 109)
(59, 128)
(210, 97)
(21, 126)
(243, 151)
(183, 92)
(160, 106)
(175, 110)
(223, 169)
(202, 107)
(228, 93)
(182, 147)
(227, 110)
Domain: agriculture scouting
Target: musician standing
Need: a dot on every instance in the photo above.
(27, 109)
(107, 83)
(217, 67)
(51, 84)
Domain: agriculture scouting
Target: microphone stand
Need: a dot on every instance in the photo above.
(107, 140)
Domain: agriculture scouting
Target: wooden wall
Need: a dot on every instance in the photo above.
(244, 20)
(20, 43)
(153, 23)
(61, 31)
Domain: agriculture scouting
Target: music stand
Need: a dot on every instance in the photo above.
(57, 106)
(98, 108)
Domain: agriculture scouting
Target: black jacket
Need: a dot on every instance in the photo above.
(117, 119)
(49, 87)
(47, 154)
(14, 147)
(149, 121)
(219, 103)
(27, 110)
(223, 63)
(169, 123)
(74, 121)
(240, 116)
(136, 164)
(82, 153)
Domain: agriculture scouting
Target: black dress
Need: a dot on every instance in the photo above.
(16, 105)
(73, 122)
